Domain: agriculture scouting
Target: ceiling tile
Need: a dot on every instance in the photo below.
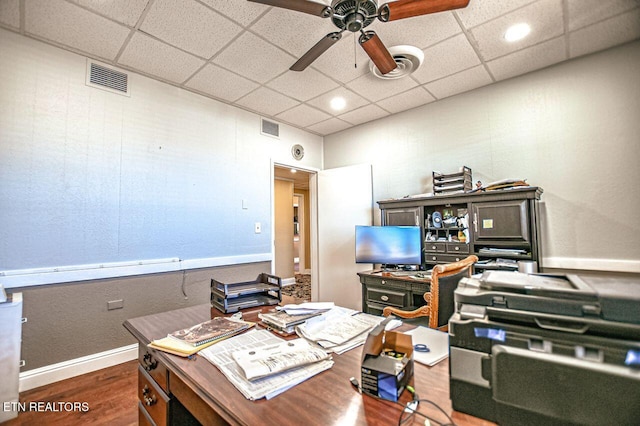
(338, 62)
(479, 12)
(544, 17)
(407, 100)
(364, 114)
(586, 12)
(156, 58)
(10, 13)
(324, 102)
(243, 12)
(303, 115)
(374, 88)
(75, 27)
(450, 56)
(459, 83)
(529, 59)
(329, 126)
(221, 83)
(267, 101)
(292, 31)
(421, 31)
(125, 11)
(190, 26)
(302, 85)
(254, 58)
(613, 31)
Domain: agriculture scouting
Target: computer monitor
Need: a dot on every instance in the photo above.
(388, 245)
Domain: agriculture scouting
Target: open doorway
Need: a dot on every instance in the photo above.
(292, 230)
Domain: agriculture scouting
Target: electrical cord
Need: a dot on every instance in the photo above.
(411, 411)
(406, 409)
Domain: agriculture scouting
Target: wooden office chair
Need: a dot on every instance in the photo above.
(440, 303)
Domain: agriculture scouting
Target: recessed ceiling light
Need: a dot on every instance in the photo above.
(338, 103)
(517, 32)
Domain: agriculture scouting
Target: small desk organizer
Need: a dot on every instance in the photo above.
(452, 183)
(265, 290)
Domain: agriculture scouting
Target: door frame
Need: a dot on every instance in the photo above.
(313, 216)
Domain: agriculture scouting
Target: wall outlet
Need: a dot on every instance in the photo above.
(258, 227)
(115, 304)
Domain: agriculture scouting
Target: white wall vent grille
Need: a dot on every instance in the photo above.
(270, 128)
(103, 77)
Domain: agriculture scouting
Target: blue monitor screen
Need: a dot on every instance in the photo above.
(388, 245)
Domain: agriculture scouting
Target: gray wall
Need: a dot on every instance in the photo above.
(571, 129)
(69, 321)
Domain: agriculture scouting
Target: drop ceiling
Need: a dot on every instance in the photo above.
(240, 52)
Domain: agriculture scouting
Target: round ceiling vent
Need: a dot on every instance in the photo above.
(408, 58)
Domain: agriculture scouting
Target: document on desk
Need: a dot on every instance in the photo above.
(221, 355)
(436, 341)
(339, 329)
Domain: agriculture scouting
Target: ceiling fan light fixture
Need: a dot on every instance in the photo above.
(407, 58)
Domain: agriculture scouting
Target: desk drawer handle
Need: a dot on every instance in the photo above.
(149, 400)
(457, 248)
(433, 247)
(149, 362)
(384, 298)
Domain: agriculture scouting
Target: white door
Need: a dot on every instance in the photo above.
(344, 200)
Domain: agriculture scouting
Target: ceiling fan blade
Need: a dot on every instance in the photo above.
(317, 50)
(409, 8)
(304, 6)
(378, 53)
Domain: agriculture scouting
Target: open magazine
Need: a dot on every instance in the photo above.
(208, 331)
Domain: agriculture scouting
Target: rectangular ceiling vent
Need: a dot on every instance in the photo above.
(269, 128)
(103, 77)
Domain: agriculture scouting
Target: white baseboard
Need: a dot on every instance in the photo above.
(288, 281)
(75, 367)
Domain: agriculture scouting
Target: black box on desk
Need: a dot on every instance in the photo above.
(552, 350)
(387, 363)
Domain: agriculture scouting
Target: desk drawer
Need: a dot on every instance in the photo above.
(144, 419)
(156, 369)
(457, 248)
(443, 258)
(435, 247)
(152, 398)
(386, 297)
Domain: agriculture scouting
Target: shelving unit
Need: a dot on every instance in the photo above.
(494, 225)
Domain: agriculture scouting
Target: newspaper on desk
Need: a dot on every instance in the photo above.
(221, 355)
(339, 330)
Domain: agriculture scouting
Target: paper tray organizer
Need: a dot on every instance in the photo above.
(231, 297)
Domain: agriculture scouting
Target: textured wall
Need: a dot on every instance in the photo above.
(68, 321)
(571, 129)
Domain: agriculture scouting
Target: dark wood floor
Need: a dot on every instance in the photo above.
(110, 394)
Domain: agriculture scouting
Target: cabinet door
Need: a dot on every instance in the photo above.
(501, 220)
(402, 217)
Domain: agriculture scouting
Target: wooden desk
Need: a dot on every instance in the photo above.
(381, 289)
(325, 399)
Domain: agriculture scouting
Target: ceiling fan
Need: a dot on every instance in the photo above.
(354, 16)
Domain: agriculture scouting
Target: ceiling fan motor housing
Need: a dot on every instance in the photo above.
(346, 18)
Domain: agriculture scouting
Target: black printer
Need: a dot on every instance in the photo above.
(536, 349)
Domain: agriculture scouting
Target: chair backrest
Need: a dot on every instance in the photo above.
(444, 280)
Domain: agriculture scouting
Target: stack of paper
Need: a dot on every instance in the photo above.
(221, 355)
(339, 329)
(263, 362)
